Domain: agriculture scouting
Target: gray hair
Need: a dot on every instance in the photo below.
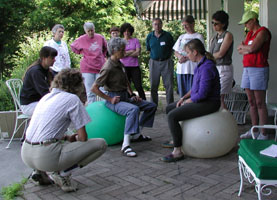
(89, 26)
(115, 44)
(56, 27)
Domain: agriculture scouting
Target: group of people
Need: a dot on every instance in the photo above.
(55, 98)
(204, 81)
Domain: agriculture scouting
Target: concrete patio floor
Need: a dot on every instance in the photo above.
(115, 177)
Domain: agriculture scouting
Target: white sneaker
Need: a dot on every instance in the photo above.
(262, 137)
(248, 135)
(63, 181)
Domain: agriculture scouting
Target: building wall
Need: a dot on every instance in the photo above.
(235, 9)
(268, 19)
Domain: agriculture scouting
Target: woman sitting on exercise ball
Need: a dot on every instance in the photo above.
(202, 99)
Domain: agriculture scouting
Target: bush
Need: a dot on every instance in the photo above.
(6, 101)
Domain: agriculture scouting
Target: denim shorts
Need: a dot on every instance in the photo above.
(255, 78)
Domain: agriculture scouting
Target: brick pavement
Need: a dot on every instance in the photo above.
(114, 177)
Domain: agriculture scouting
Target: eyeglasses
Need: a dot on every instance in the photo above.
(215, 23)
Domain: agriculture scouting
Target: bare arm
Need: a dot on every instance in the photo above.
(256, 44)
(81, 135)
(134, 53)
(128, 53)
(181, 58)
(228, 39)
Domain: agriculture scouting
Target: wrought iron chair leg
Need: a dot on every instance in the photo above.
(241, 179)
(14, 132)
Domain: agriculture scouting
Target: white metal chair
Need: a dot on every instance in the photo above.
(15, 86)
(250, 155)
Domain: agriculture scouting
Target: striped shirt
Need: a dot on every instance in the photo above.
(53, 115)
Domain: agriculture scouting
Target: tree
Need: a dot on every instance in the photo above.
(21, 18)
(73, 13)
(13, 15)
(252, 5)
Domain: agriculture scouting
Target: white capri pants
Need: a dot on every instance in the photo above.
(226, 78)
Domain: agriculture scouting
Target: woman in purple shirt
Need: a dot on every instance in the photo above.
(202, 99)
(130, 60)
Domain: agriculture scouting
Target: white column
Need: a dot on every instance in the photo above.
(212, 6)
(235, 9)
(267, 18)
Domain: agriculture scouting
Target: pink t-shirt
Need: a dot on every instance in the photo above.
(130, 61)
(93, 51)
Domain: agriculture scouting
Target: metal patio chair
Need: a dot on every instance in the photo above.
(15, 86)
(257, 168)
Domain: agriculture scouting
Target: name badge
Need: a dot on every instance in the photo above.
(250, 42)
(220, 40)
(162, 43)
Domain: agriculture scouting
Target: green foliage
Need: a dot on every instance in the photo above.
(11, 191)
(13, 15)
(6, 102)
(73, 13)
(21, 18)
(252, 5)
(142, 28)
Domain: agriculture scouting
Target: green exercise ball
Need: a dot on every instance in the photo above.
(105, 123)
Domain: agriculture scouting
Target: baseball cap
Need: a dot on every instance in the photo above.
(247, 16)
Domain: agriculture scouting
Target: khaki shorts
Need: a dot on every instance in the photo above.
(226, 78)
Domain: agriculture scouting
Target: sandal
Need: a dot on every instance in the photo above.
(171, 158)
(141, 138)
(128, 152)
(168, 144)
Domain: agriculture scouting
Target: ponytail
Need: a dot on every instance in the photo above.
(210, 56)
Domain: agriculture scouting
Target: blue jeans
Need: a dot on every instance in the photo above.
(131, 109)
(89, 79)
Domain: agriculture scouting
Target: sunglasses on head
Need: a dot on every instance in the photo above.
(215, 23)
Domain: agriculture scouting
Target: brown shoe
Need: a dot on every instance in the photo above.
(41, 178)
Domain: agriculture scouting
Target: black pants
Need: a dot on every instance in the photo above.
(134, 74)
(185, 112)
